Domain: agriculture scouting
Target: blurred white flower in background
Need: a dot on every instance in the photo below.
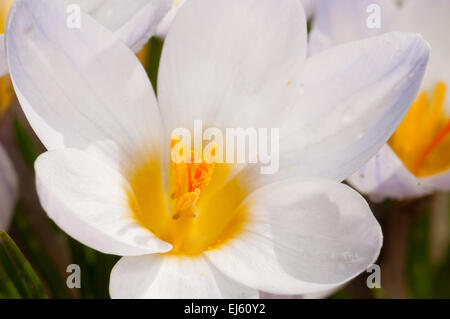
(8, 178)
(8, 189)
(107, 179)
(416, 160)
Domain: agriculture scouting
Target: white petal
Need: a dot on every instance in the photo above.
(3, 61)
(160, 276)
(385, 176)
(430, 18)
(8, 189)
(89, 201)
(301, 238)
(134, 22)
(230, 66)
(79, 87)
(166, 22)
(438, 182)
(340, 21)
(310, 7)
(351, 99)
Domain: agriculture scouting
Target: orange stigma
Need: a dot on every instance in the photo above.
(438, 139)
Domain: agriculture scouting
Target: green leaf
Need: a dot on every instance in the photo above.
(16, 267)
(7, 288)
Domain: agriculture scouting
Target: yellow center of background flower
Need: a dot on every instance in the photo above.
(422, 141)
(4, 9)
(6, 90)
(201, 211)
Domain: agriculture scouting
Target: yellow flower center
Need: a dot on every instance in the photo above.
(422, 141)
(143, 54)
(4, 9)
(201, 209)
(6, 90)
(6, 93)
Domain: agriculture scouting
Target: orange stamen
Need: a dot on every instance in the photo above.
(188, 188)
(435, 112)
(189, 176)
(203, 172)
(186, 203)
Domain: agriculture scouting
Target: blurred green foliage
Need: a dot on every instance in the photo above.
(155, 46)
(37, 253)
(17, 278)
(95, 269)
(425, 279)
(25, 143)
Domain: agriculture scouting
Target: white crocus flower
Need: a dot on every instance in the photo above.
(416, 161)
(134, 22)
(8, 189)
(107, 178)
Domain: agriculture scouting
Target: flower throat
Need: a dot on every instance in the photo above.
(422, 141)
(201, 210)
